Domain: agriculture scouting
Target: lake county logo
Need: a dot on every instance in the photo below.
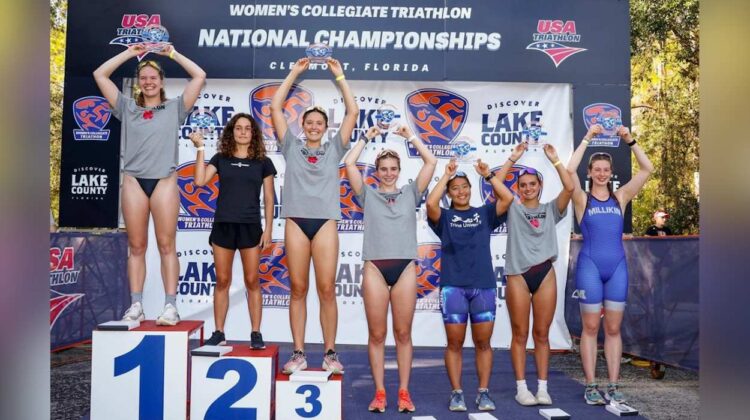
(352, 213)
(550, 36)
(610, 118)
(92, 114)
(131, 30)
(273, 274)
(197, 204)
(297, 101)
(58, 302)
(89, 183)
(197, 278)
(428, 277)
(437, 117)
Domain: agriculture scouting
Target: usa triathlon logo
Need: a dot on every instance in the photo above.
(58, 302)
(273, 274)
(609, 117)
(352, 213)
(62, 270)
(297, 101)
(428, 277)
(197, 204)
(437, 117)
(92, 114)
(131, 30)
(551, 38)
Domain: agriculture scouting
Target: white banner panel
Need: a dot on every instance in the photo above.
(490, 117)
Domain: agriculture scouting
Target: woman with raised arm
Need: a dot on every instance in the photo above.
(467, 278)
(389, 249)
(602, 271)
(531, 282)
(148, 150)
(311, 208)
(243, 168)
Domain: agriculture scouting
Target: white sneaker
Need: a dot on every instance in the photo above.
(526, 398)
(134, 313)
(543, 398)
(169, 316)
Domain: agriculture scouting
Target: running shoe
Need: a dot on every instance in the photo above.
(526, 398)
(217, 339)
(134, 313)
(613, 394)
(169, 316)
(457, 401)
(378, 404)
(404, 402)
(331, 362)
(256, 341)
(484, 401)
(298, 361)
(592, 395)
(543, 398)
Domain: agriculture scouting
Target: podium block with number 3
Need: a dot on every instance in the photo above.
(308, 400)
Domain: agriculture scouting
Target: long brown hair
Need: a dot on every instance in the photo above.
(137, 93)
(227, 145)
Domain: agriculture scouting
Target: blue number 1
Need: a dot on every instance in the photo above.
(311, 399)
(149, 356)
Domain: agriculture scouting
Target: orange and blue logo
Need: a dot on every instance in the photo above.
(92, 114)
(197, 204)
(352, 213)
(273, 274)
(428, 277)
(609, 117)
(296, 102)
(437, 117)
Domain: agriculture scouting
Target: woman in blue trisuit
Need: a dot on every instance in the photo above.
(602, 271)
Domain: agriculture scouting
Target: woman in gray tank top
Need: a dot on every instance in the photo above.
(311, 208)
(388, 249)
(530, 252)
(149, 158)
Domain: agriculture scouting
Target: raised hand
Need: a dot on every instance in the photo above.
(551, 153)
(624, 133)
(594, 130)
(451, 168)
(335, 67)
(136, 49)
(301, 66)
(197, 138)
(168, 48)
(482, 168)
(372, 132)
(404, 132)
(518, 151)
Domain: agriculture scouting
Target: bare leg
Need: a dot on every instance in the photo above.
(325, 255)
(165, 205)
(518, 299)
(223, 259)
(298, 257)
(481, 333)
(543, 303)
(591, 321)
(613, 343)
(454, 353)
(250, 261)
(376, 296)
(403, 303)
(135, 212)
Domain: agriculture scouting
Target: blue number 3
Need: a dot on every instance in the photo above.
(311, 399)
(222, 407)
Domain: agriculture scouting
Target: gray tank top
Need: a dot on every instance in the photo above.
(532, 236)
(311, 179)
(148, 139)
(390, 223)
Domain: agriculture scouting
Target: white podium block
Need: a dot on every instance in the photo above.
(141, 373)
(308, 400)
(237, 385)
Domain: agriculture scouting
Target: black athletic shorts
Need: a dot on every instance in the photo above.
(235, 235)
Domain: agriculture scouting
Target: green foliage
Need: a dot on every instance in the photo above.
(664, 81)
(58, 18)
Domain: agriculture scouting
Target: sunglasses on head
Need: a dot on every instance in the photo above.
(528, 171)
(150, 63)
(459, 174)
(387, 152)
(315, 108)
(600, 155)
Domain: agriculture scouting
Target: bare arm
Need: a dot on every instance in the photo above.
(430, 161)
(502, 194)
(103, 73)
(203, 173)
(268, 194)
(579, 195)
(564, 197)
(350, 161)
(633, 187)
(352, 110)
(515, 155)
(197, 76)
(433, 199)
(277, 102)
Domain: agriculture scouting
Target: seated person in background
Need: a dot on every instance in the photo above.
(658, 228)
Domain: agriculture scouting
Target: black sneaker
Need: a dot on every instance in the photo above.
(217, 339)
(256, 341)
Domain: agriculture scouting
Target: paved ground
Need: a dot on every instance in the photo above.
(675, 396)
